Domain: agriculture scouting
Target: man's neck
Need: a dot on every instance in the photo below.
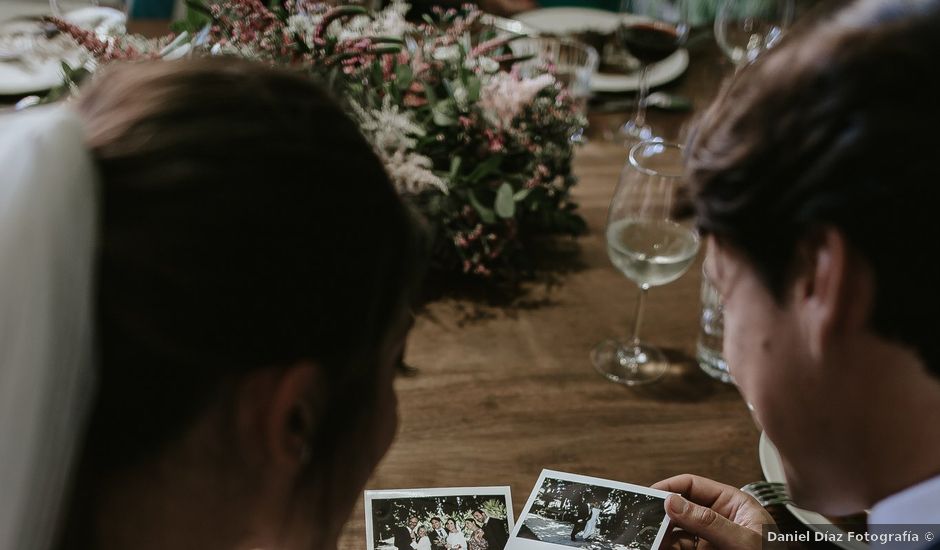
(900, 420)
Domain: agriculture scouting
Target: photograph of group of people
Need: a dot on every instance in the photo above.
(570, 510)
(439, 519)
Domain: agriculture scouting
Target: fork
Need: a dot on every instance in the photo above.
(768, 493)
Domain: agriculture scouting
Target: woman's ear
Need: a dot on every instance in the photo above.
(278, 411)
(294, 413)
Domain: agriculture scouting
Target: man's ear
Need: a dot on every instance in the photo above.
(834, 290)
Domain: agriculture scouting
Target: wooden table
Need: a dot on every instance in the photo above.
(503, 392)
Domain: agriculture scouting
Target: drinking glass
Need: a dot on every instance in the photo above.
(708, 349)
(573, 63)
(746, 28)
(648, 247)
(651, 30)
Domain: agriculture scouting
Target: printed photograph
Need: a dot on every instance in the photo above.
(590, 513)
(466, 518)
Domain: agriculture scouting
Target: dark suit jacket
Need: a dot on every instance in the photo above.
(495, 532)
(432, 534)
(403, 538)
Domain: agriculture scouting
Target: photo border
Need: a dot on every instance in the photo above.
(385, 494)
(517, 543)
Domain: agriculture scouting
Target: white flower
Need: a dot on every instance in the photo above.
(488, 64)
(391, 21)
(504, 95)
(355, 28)
(237, 50)
(411, 172)
(304, 25)
(446, 53)
(389, 127)
(461, 96)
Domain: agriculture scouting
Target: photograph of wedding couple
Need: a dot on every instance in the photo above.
(584, 512)
(477, 518)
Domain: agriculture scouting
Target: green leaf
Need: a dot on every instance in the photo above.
(454, 167)
(195, 19)
(443, 113)
(485, 168)
(473, 89)
(521, 195)
(485, 213)
(505, 204)
(404, 76)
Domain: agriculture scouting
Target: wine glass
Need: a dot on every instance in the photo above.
(649, 247)
(746, 28)
(651, 30)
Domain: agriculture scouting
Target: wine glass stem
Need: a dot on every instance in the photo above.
(639, 120)
(638, 317)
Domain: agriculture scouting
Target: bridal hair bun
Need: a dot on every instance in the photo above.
(246, 223)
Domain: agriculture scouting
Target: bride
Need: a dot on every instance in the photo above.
(205, 294)
(590, 528)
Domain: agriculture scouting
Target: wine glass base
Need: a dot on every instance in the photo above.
(629, 364)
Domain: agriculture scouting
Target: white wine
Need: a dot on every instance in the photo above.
(651, 252)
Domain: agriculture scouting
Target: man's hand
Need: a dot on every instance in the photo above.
(712, 515)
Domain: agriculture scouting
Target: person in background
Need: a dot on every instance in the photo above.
(494, 529)
(405, 534)
(475, 538)
(422, 542)
(242, 331)
(815, 180)
(437, 534)
(455, 539)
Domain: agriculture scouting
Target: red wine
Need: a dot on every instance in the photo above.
(650, 42)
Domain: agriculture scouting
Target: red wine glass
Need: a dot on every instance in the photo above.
(651, 31)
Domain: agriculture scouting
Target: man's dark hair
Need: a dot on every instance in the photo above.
(477, 510)
(436, 518)
(836, 128)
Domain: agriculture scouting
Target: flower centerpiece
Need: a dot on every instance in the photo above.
(480, 147)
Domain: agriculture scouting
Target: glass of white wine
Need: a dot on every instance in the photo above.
(649, 247)
(745, 29)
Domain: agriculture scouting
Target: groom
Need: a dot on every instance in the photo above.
(816, 181)
(582, 512)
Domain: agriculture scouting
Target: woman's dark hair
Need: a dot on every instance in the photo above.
(246, 223)
(837, 127)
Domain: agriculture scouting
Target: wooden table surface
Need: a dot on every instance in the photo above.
(502, 392)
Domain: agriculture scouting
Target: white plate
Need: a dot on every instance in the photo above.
(572, 20)
(41, 72)
(772, 466)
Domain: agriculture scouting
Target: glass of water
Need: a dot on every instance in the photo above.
(746, 28)
(649, 248)
(708, 349)
(573, 63)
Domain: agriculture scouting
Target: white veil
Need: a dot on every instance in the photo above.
(47, 233)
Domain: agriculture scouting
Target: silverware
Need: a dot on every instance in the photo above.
(768, 493)
(660, 100)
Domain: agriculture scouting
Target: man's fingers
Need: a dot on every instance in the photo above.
(679, 540)
(710, 525)
(700, 490)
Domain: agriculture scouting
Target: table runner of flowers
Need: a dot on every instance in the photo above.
(482, 148)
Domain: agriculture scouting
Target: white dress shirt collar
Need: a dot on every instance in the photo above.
(916, 505)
